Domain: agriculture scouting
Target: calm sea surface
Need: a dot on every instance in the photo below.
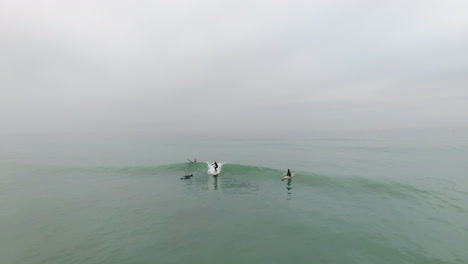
(358, 197)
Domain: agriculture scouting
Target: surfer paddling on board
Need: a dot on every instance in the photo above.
(215, 164)
(186, 177)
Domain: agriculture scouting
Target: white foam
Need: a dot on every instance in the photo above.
(211, 169)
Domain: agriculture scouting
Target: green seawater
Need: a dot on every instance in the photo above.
(375, 197)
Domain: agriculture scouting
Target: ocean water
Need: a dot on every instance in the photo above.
(357, 197)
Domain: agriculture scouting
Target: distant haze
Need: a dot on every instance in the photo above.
(191, 65)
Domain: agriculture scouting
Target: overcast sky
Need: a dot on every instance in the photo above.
(167, 65)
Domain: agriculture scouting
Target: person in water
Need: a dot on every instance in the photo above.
(215, 164)
(188, 176)
(195, 160)
(289, 173)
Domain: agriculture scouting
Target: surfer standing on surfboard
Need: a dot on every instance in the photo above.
(215, 166)
(288, 174)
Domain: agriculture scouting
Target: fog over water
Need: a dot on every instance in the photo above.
(105, 66)
(105, 104)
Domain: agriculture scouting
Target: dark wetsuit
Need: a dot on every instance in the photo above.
(187, 176)
(215, 166)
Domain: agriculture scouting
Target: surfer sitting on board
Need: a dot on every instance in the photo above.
(215, 166)
(287, 176)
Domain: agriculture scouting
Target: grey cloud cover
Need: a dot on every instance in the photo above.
(152, 65)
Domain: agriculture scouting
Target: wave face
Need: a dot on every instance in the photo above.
(350, 184)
